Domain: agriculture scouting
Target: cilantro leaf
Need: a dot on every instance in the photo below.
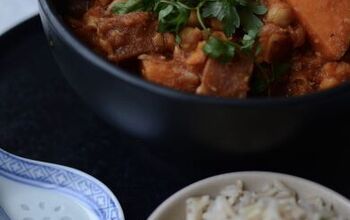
(128, 6)
(133, 6)
(257, 8)
(163, 13)
(248, 41)
(242, 2)
(219, 49)
(214, 9)
(171, 16)
(233, 14)
(231, 21)
(249, 21)
(149, 4)
(226, 12)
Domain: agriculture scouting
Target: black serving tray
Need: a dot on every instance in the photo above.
(42, 118)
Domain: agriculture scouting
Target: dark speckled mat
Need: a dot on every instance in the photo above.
(42, 118)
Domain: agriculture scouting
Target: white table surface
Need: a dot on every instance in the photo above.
(13, 12)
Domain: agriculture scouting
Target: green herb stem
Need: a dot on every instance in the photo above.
(173, 15)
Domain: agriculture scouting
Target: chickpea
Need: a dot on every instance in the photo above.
(91, 20)
(161, 41)
(220, 35)
(280, 14)
(169, 41)
(193, 19)
(158, 40)
(216, 25)
(190, 37)
(197, 57)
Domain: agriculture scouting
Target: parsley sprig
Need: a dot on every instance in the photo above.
(218, 49)
(233, 14)
(172, 15)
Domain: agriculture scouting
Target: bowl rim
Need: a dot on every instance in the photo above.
(48, 10)
(207, 181)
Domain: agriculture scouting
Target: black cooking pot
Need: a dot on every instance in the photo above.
(153, 112)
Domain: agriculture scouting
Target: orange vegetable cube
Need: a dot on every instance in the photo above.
(327, 23)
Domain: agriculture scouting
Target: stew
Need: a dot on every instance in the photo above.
(226, 48)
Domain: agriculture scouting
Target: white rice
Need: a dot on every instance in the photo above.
(273, 202)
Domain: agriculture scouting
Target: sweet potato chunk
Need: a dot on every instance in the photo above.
(227, 79)
(328, 24)
(169, 72)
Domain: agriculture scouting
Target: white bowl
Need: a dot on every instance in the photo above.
(174, 208)
(31, 190)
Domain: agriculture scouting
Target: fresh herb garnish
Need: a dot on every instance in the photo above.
(219, 49)
(249, 21)
(233, 14)
(258, 9)
(133, 6)
(128, 6)
(248, 41)
(225, 11)
(171, 16)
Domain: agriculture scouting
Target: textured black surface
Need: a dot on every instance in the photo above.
(42, 118)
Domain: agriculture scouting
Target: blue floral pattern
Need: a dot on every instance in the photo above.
(66, 180)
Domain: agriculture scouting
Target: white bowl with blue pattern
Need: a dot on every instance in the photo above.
(32, 190)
